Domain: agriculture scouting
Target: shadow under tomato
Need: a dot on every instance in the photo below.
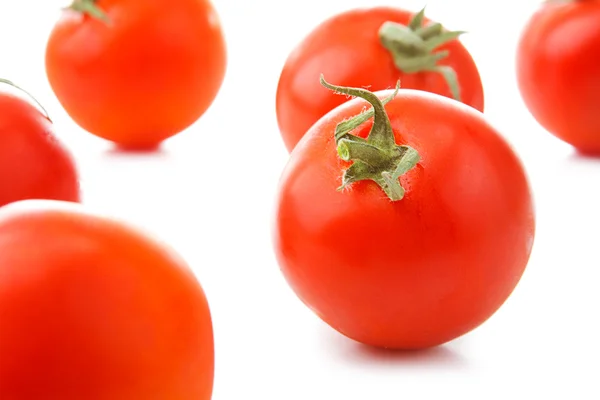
(146, 152)
(350, 351)
(581, 156)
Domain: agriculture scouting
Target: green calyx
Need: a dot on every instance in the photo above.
(378, 157)
(413, 48)
(90, 8)
(11, 83)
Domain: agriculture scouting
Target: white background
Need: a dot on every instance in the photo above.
(209, 193)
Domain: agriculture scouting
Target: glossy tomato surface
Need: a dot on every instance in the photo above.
(422, 270)
(346, 48)
(93, 309)
(558, 70)
(144, 76)
(33, 163)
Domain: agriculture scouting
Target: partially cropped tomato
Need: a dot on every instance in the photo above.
(33, 163)
(136, 72)
(372, 48)
(91, 308)
(406, 230)
(558, 70)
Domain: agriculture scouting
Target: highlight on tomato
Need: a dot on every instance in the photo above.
(558, 71)
(404, 226)
(136, 72)
(34, 164)
(92, 308)
(374, 48)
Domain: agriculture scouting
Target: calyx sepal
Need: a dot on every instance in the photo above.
(413, 48)
(378, 157)
(90, 8)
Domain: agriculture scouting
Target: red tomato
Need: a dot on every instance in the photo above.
(93, 309)
(350, 49)
(33, 163)
(147, 73)
(423, 241)
(558, 70)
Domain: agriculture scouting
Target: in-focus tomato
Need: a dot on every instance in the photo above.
(413, 237)
(136, 72)
(558, 70)
(93, 309)
(33, 163)
(372, 48)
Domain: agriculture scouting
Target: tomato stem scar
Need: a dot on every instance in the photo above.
(378, 157)
(89, 7)
(412, 48)
(11, 83)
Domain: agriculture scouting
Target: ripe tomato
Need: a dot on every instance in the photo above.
(558, 71)
(93, 309)
(142, 74)
(33, 163)
(372, 47)
(404, 246)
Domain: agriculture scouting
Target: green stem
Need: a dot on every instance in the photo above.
(381, 133)
(409, 158)
(377, 158)
(345, 127)
(362, 151)
(413, 46)
(417, 19)
(11, 83)
(429, 31)
(90, 8)
(401, 39)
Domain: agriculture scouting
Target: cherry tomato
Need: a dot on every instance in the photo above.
(33, 163)
(413, 237)
(136, 72)
(94, 309)
(372, 48)
(558, 71)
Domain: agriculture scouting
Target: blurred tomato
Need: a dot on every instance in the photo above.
(144, 74)
(33, 163)
(93, 309)
(558, 70)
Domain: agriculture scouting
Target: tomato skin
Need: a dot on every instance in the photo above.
(347, 50)
(33, 163)
(92, 309)
(145, 77)
(558, 71)
(420, 271)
